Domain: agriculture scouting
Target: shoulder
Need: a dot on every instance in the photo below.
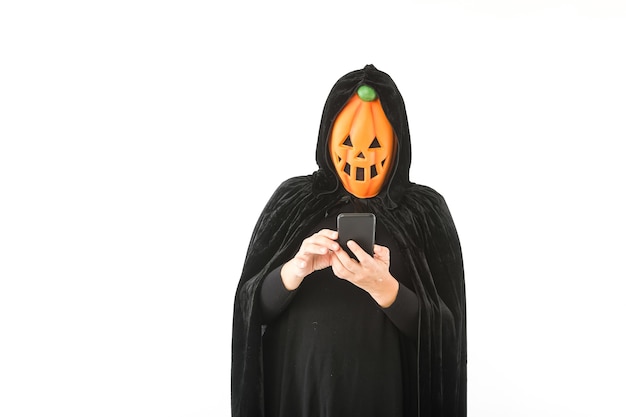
(287, 193)
(428, 207)
(418, 193)
(294, 183)
(292, 186)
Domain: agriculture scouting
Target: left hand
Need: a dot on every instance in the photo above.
(368, 273)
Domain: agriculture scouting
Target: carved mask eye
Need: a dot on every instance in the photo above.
(375, 144)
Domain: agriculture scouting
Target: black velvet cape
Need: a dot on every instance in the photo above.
(418, 218)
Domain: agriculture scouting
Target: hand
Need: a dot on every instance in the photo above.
(368, 273)
(315, 253)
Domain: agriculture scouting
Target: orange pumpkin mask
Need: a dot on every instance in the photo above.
(362, 144)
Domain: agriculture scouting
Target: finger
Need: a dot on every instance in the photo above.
(323, 234)
(319, 243)
(346, 261)
(312, 248)
(302, 260)
(339, 267)
(330, 234)
(360, 254)
(381, 252)
(324, 238)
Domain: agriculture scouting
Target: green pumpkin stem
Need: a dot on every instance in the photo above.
(366, 93)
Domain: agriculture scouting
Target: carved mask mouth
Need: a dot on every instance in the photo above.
(360, 172)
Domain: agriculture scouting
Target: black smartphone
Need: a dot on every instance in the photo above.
(360, 227)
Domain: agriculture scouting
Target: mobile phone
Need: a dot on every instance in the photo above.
(360, 227)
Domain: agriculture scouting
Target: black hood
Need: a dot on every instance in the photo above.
(393, 106)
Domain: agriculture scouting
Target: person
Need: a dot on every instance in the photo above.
(318, 333)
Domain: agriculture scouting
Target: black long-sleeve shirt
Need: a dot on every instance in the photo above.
(329, 349)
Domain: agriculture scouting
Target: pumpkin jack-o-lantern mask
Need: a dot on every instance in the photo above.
(362, 144)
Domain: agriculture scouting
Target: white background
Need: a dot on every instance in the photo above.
(140, 141)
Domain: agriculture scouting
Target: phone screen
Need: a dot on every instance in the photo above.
(360, 227)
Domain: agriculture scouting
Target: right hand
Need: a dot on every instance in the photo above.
(315, 253)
